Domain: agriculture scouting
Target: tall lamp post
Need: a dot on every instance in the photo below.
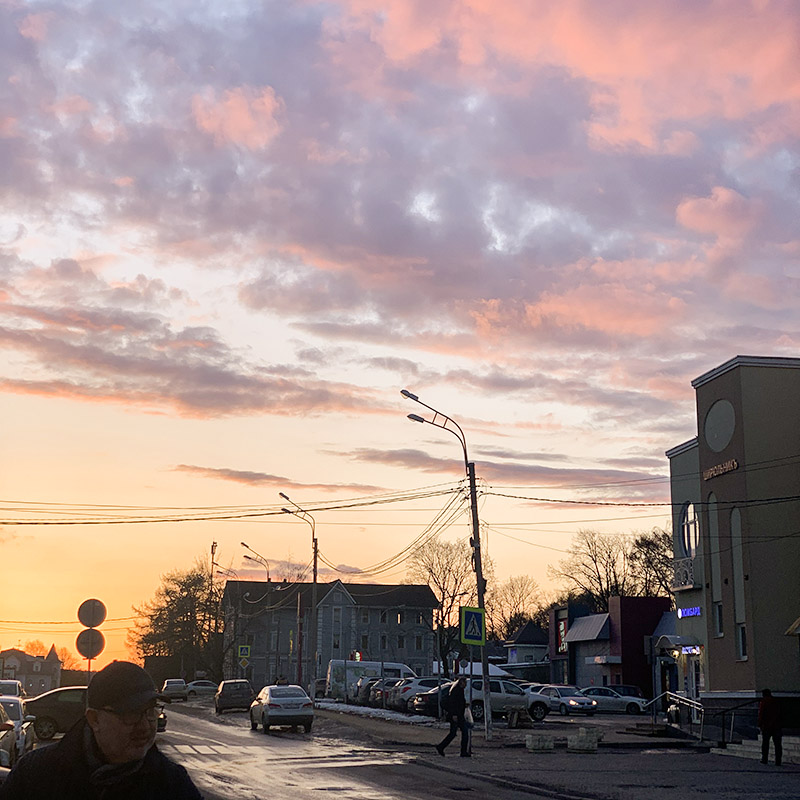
(448, 424)
(302, 514)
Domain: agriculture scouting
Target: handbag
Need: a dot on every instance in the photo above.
(468, 716)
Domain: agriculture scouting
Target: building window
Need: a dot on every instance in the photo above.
(741, 642)
(337, 642)
(383, 641)
(383, 617)
(273, 641)
(418, 643)
(690, 531)
(337, 616)
(401, 642)
(364, 642)
(400, 617)
(37, 666)
(365, 616)
(420, 618)
(718, 626)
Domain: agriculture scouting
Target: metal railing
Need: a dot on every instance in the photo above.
(732, 711)
(692, 705)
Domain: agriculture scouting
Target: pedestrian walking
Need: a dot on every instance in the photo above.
(769, 721)
(109, 753)
(455, 707)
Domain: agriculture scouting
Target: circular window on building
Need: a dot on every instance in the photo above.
(720, 425)
(690, 531)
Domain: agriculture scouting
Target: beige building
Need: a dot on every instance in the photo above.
(736, 522)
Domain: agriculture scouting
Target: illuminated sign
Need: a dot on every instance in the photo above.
(693, 650)
(720, 469)
(562, 635)
(693, 611)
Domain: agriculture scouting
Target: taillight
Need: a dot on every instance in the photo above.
(275, 705)
(308, 705)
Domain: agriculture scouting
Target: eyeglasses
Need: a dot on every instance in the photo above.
(131, 718)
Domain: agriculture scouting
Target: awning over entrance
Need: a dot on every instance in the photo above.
(672, 641)
(587, 629)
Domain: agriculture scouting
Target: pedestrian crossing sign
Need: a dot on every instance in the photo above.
(473, 626)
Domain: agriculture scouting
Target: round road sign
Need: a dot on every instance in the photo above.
(90, 643)
(91, 614)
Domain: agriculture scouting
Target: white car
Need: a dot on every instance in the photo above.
(282, 705)
(402, 694)
(195, 688)
(609, 700)
(568, 700)
(175, 689)
(15, 709)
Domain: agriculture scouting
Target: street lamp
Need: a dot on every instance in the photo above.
(302, 514)
(448, 424)
(263, 563)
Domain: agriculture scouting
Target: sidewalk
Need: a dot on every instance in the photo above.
(626, 767)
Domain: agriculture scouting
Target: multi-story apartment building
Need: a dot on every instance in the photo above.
(736, 522)
(274, 622)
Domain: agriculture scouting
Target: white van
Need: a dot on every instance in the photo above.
(343, 675)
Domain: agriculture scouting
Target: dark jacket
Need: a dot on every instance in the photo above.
(72, 770)
(456, 702)
(769, 715)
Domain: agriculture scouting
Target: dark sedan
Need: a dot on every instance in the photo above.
(429, 703)
(56, 711)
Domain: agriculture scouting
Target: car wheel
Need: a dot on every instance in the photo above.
(45, 728)
(563, 710)
(264, 726)
(307, 727)
(192, 693)
(477, 711)
(538, 711)
(632, 708)
(253, 724)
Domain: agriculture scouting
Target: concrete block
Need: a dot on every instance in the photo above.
(584, 741)
(540, 743)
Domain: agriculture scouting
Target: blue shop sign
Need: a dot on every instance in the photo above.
(692, 611)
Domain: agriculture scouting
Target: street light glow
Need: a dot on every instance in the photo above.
(416, 418)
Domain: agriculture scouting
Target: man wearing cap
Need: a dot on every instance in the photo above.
(108, 755)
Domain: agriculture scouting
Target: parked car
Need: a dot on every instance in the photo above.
(161, 722)
(403, 692)
(233, 694)
(8, 740)
(568, 700)
(538, 705)
(23, 723)
(627, 690)
(195, 688)
(378, 690)
(429, 703)
(504, 696)
(175, 689)
(320, 687)
(282, 705)
(610, 700)
(12, 687)
(56, 711)
(363, 686)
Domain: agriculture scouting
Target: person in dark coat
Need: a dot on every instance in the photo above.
(769, 721)
(455, 707)
(110, 754)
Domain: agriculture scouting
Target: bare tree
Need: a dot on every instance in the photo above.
(35, 647)
(511, 605)
(447, 568)
(68, 659)
(598, 566)
(651, 561)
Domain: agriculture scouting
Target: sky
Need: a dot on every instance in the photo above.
(232, 232)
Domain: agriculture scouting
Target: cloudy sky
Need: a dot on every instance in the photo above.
(231, 232)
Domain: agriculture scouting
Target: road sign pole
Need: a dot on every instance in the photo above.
(481, 586)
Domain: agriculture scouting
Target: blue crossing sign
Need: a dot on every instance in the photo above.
(473, 626)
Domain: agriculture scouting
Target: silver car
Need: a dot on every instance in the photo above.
(568, 700)
(23, 723)
(609, 700)
(282, 705)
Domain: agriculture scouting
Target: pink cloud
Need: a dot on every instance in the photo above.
(243, 116)
(725, 213)
(34, 26)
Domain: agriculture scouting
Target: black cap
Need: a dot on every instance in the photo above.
(122, 686)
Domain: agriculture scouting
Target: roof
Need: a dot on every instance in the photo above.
(529, 633)
(272, 593)
(587, 629)
(746, 361)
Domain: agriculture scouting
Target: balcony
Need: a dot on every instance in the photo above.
(683, 574)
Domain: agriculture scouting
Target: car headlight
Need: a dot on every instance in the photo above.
(573, 702)
(594, 702)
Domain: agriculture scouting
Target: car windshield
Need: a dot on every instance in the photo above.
(568, 691)
(12, 709)
(287, 691)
